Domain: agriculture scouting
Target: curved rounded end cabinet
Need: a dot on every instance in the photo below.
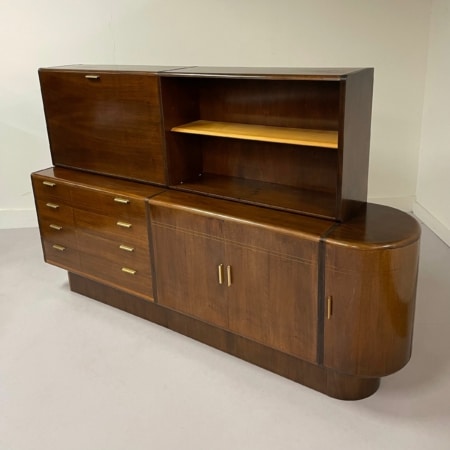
(229, 205)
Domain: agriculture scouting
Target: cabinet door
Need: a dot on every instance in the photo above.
(369, 329)
(272, 295)
(105, 122)
(188, 254)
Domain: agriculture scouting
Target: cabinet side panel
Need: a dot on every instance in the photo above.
(373, 294)
(354, 141)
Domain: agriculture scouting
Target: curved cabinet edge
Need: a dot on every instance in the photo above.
(370, 280)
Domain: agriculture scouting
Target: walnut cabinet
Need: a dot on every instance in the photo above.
(229, 204)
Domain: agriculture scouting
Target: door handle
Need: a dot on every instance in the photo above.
(220, 273)
(229, 279)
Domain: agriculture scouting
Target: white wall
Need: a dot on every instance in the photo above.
(390, 35)
(433, 188)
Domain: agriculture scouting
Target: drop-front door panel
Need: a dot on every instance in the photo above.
(105, 122)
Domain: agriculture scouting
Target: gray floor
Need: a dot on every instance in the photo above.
(77, 374)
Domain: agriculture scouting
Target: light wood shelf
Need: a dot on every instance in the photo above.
(281, 135)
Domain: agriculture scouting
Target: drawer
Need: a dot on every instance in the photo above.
(129, 230)
(119, 275)
(111, 204)
(58, 232)
(54, 211)
(123, 252)
(50, 188)
(60, 254)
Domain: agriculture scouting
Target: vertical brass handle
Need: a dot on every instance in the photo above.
(329, 306)
(220, 273)
(229, 280)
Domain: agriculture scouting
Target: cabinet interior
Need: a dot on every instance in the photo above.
(261, 141)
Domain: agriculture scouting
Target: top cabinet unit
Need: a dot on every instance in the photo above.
(291, 139)
(105, 119)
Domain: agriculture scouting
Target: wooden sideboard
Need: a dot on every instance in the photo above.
(229, 205)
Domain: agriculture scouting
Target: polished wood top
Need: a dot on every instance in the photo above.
(296, 224)
(335, 74)
(108, 68)
(251, 72)
(100, 182)
(377, 226)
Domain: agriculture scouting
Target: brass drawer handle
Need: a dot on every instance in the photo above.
(123, 224)
(48, 183)
(55, 227)
(58, 247)
(126, 248)
(52, 205)
(229, 280)
(128, 270)
(92, 77)
(124, 201)
(220, 273)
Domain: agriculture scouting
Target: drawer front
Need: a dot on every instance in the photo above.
(58, 253)
(58, 232)
(118, 274)
(123, 252)
(111, 204)
(54, 211)
(105, 122)
(129, 230)
(50, 188)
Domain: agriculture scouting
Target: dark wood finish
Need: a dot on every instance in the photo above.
(327, 301)
(271, 296)
(329, 101)
(106, 124)
(86, 238)
(324, 380)
(277, 196)
(371, 273)
(354, 142)
(285, 73)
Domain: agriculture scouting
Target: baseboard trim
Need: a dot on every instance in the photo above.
(435, 225)
(18, 218)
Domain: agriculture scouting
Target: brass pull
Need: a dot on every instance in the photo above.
(220, 273)
(92, 77)
(52, 205)
(58, 247)
(126, 248)
(229, 276)
(48, 183)
(55, 227)
(329, 306)
(128, 270)
(123, 224)
(124, 201)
